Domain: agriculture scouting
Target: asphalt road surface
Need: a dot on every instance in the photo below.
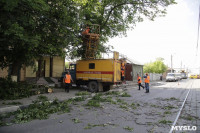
(152, 112)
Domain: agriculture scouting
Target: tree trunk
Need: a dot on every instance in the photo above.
(15, 70)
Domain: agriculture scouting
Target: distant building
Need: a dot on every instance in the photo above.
(132, 69)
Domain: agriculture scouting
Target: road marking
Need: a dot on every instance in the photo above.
(179, 112)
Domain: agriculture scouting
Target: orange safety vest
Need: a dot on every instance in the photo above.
(67, 78)
(140, 79)
(147, 80)
(85, 31)
(122, 72)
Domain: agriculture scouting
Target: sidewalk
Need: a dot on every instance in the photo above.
(60, 94)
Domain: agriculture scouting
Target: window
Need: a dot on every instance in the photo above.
(71, 67)
(91, 65)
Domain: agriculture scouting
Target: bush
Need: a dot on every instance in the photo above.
(10, 90)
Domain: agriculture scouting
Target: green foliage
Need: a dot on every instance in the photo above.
(169, 107)
(167, 112)
(97, 99)
(124, 107)
(172, 99)
(116, 17)
(189, 117)
(82, 93)
(128, 129)
(125, 94)
(42, 98)
(78, 99)
(121, 101)
(93, 103)
(76, 120)
(117, 93)
(40, 109)
(29, 31)
(165, 122)
(89, 126)
(67, 65)
(133, 106)
(155, 67)
(32, 28)
(10, 90)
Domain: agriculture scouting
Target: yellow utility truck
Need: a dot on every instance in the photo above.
(97, 74)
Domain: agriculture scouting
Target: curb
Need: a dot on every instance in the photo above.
(15, 108)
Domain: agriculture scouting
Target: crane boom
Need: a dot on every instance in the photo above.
(91, 40)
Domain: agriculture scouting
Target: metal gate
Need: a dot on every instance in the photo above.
(128, 72)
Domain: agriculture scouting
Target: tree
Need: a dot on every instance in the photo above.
(155, 67)
(116, 16)
(30, 29)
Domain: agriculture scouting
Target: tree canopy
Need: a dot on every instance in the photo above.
(116, 16)
(157, 66)
(30, 29)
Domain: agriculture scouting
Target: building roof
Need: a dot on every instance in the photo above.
(133, 61)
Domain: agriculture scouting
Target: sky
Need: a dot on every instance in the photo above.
(173, 35)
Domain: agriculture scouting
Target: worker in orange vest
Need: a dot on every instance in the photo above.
(122, 72)
(147, 81)
(67, 80)
(86, 31)
(139, 81)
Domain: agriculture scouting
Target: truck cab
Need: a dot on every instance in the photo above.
(72, 70)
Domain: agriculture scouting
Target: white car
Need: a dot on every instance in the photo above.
(178, 75)
(171, 77)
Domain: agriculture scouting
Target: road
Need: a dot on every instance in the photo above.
(152, 112)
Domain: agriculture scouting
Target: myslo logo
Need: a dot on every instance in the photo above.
(184, 128)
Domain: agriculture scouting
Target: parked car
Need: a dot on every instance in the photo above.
(171, 77)
(193, 76)
(184, 75)
(178, 76)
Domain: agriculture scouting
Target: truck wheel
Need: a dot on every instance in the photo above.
(93, 86)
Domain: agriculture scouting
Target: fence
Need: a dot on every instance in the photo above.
(154, 76)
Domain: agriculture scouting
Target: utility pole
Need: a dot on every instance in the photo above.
(171, 63)
(181, 65)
